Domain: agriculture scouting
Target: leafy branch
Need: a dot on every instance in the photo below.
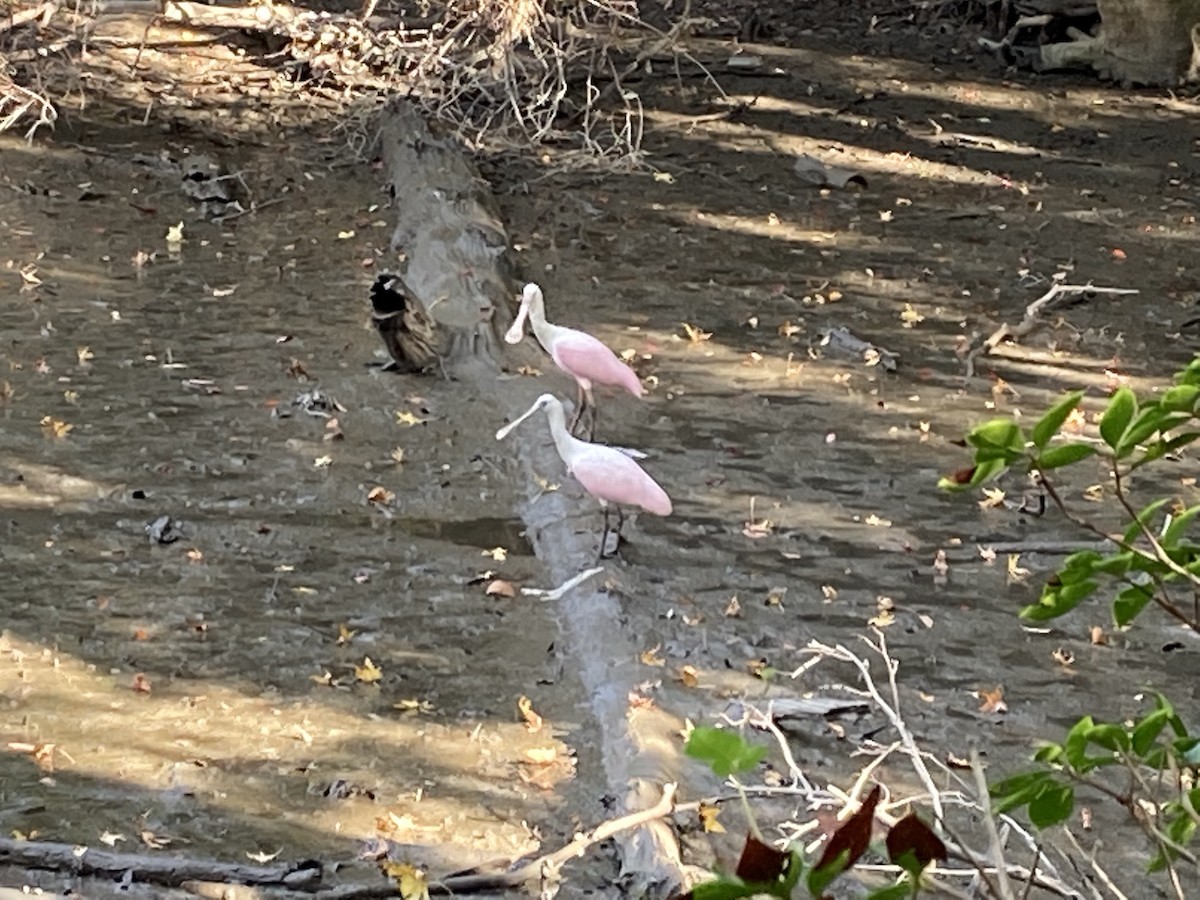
(1150, 565)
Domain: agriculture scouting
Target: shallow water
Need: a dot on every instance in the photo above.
(214, 691)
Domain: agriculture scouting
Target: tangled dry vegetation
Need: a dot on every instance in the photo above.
(500, 73)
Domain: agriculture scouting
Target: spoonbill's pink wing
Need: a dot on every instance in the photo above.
(608, 474)
(588, 359)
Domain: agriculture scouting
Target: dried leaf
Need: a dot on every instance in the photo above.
(410, 881)
(854, 835)
(541, 756)
(1016, 572)
(1063, 656)
(501, 588)
(380, 495)
(499, 554)
(992, 497)
(762, 863)
(404, 417)
(1097, 636)
(733, 609)
(910, 317)
(689, 676)
(992, 701)
(651, 657)
(368, 672)
(141, 684)
(911, 835)
(56, 428)
(708, 819)
(694, 334)
(533, 722)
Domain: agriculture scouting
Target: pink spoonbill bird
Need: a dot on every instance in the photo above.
(607, 473)
(578, 354)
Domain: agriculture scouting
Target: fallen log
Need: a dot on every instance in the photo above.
(452, 242)
(456, 264)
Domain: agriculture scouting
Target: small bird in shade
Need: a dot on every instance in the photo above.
(406, 329)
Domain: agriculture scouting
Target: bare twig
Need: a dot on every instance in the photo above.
(1032, 318)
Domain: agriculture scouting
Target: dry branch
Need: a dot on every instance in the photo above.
(170, 871)
(1033, 318)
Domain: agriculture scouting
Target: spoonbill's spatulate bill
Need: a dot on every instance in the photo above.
(577, 353)
(607, 473)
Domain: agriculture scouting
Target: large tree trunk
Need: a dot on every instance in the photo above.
(451, 240)
(1146, 42)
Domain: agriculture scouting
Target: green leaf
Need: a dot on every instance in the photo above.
(1058, 600)
(1049, 754)
(1018, 790)
(1146, 732)
(1117, 564)
(1135, 529)
(1078, 567)
(1053, 805)
(1049, 424)
(1151, 419)
(1115, 422)
(1075, 745)
(728, 887)
(997, 439)
(823, 876)
(1129, 604)
(1178, 527)
(1188, 751)
(1110, 737)
(898, 891)
(1181, 398)
(726, 752)
(1191, 374)
(1064, 455)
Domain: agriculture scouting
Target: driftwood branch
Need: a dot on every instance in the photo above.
(170, 871)
(173, 871)
(542, 866)
(1033, 318)
(20, 17)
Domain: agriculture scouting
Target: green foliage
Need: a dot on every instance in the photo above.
(1159, 744)
(726, 752)
(1156, 560)
(764, 871)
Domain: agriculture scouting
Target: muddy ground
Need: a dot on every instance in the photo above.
(211, 696)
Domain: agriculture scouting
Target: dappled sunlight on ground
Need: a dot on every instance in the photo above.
(222, 758)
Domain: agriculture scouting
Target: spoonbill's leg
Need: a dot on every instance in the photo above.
(580, 406)
(590, 407)
(616, 534)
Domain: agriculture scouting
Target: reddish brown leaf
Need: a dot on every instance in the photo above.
(855, 834)
(911, 835)
(962, 476)
(761, 863)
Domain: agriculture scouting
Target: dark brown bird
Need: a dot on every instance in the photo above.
(406, 329)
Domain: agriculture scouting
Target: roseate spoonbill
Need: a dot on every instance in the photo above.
(580, 355)
(406, 329)
(607, 473)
